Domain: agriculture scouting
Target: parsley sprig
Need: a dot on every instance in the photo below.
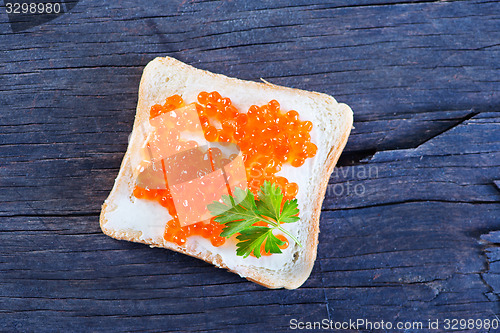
(241, 211)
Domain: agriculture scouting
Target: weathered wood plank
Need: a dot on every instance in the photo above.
(420, 243)
(459, 165)
(430, 50)
(393, 261)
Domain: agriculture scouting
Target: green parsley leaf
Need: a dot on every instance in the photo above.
(270, 198)
(237, 214)
(240, 212)
(251, 240)
(290, 211)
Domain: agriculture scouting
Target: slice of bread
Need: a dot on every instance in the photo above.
(125, 217)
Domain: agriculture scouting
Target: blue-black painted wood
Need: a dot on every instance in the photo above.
(410, 221)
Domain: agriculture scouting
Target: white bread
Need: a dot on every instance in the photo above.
(125, 217)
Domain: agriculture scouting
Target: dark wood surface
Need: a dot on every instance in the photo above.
(411, 220)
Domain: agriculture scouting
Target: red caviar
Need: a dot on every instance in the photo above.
(267, 137)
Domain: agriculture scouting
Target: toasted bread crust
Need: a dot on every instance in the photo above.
(259, 276)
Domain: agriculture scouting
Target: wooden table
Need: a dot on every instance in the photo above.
(410, 228)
